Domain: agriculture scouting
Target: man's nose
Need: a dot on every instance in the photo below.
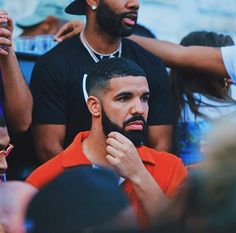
(137, 108)
(133, 4)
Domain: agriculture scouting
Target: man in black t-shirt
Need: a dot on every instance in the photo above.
(59, 77)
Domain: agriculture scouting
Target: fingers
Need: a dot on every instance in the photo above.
(3, 52)
(119, 137)
(114, 143)
(113, 152)
(64, 37)
(5, 33)
(61, 32)
(113, 161)
(68, 30)
(6, 19)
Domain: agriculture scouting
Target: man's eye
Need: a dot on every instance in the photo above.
(123, 98)
(145, 98)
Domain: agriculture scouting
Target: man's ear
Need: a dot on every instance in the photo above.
(93, 4)
(94, 106)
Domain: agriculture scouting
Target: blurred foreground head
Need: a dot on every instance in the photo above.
(207, 203)
(83, 199)
(14, 197)
(47, 18)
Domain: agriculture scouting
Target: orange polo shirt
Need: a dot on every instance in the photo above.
(167, 170)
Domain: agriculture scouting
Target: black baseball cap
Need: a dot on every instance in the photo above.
(77, 199)
(77, 7)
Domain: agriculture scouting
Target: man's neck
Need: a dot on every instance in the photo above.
(94, 148)
(100, 41)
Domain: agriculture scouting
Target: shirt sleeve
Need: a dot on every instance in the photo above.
(48, 87)
(229, 58)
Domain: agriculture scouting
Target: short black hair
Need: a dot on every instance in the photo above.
(106, 69)
(207, 38)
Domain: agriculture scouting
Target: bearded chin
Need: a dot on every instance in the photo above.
(110, 22)
(136, 137)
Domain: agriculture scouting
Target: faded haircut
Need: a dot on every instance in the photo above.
(106, 69)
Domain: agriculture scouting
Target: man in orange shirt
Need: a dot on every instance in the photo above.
(118, 95)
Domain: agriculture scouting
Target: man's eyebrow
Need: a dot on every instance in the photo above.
(146, 93)
(123, 94)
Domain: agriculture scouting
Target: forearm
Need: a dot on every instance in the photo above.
(150, 194)
(17, 96)
(47, 152)
(160, 137)
(200, 58)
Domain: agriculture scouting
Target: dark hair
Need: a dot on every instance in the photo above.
(73, 201)
(186, 83)
(106, 69)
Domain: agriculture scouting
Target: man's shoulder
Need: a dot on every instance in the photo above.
(131, 47)
(64, 49)
(167, 169)
(46, 172)
(66, 159)
(160, 157)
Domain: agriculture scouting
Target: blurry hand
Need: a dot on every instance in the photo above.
(124, 157)
(6, 30)
(68, 30)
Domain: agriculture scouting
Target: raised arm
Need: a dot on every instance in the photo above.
(124, 158)
(17, 96)
(201, 58)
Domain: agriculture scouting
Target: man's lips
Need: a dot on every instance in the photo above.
(130, 19)
(135, 125)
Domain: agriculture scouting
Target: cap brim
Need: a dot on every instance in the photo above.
(30, 21)
(77, 7)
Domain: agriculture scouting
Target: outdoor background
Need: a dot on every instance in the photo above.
(168, 19)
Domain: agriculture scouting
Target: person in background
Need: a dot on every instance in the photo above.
(198, 99)
(220, 62)
(17, 99)
(14, 198)
(39, 28)
(118, 95)
(79, 208)
(59, 77)
(217, 61)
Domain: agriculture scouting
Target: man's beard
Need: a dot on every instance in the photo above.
(137, 137)
(111, 22)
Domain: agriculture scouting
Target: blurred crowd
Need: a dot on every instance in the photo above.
(97, 136)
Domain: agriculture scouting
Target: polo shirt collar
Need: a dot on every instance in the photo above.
(146, 155)
(74, 155)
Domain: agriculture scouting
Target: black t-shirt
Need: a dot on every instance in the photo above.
(57, 86)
